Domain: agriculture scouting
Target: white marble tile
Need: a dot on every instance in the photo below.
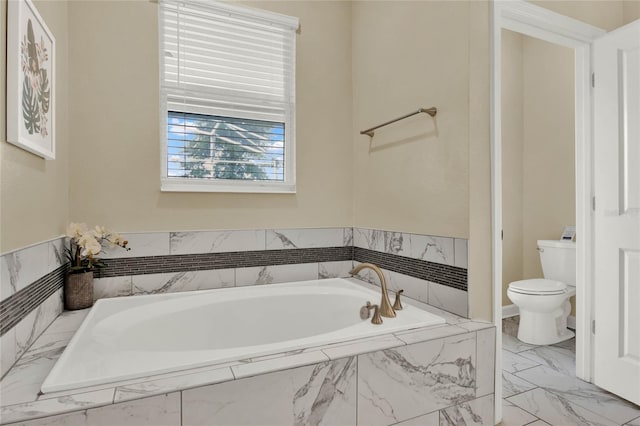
(173, 282)
(278, 239)
(68, 321)
(49, 345)
(20, 268)
(538, 423)
(347, 237)
(276, 274)
(217, 241)
(485, 355)
(371, 239)
(514, 345)
(278, 363)
(430, 248)
(111, 287)
(23, 381)
(515, 416)
(461, 248)
(581, 393)
(512, 385)
(561, 360)
(429, 333)
(185, 381)
(140, 244)
(402, 383)
(8, 353)
(414, 288)
(475, 325)
(513, 363)
(57, 255)
(634, 422)
(556, 410)
(28, 330)
(322, 394)
(510, 325)
(431, 419)
(476, 412)
(342, 350)
(339, 269)
(449, 298)
(35, 409)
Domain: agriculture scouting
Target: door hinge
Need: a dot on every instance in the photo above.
(593, 326)
(502, 235)
(593, 79)
(593, 203)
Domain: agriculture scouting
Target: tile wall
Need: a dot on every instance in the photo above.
(421, 379)
(430, 269)
(31, 282)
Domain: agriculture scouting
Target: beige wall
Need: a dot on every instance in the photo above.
(512, 159)
(630, 11)
(114, 61)
(538, 151)
(413, 175)
(34, 201)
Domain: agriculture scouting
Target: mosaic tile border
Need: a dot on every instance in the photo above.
(450, 276)
(17, 306)
(210, 261)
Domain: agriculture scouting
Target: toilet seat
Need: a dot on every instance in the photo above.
(538, 286)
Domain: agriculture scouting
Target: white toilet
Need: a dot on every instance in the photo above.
(544, 302)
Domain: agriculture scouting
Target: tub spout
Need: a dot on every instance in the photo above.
(385, 304)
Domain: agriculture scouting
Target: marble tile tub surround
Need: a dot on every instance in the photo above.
(30, 296)
(321, 385)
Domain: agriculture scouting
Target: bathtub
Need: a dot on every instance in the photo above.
(132, 337)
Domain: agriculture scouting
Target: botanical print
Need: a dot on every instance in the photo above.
(36, 92)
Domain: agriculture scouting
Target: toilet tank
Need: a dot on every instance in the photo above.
(558, 259)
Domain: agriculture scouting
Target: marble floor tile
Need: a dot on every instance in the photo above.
(431, 419)
(634, 422)
(512, 344)
(561, 360)
(476, 412)
(68, 321)
(582, 394)
(512, 385)
(538, 423)
(557, 410)
(515, 416)
(510, 325)
(569, 345)
(513, 362)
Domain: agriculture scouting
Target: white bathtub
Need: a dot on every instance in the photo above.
(131, 337)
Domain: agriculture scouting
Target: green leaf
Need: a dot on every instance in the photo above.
(44, 93)
(30, 111)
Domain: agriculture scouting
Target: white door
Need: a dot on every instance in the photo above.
(617, 212)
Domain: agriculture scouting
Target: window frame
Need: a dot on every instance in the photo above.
(288, 185)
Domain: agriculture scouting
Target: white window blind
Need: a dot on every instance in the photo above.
(228, 98)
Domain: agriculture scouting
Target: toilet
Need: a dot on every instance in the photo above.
(544, 302)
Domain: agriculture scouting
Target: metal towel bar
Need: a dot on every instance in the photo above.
(431, 111)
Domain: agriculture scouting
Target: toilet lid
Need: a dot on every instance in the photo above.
(538, 286)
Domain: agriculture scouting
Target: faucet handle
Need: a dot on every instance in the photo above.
(364, 313)
(397, 305)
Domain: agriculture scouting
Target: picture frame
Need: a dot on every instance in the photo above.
(31, 80)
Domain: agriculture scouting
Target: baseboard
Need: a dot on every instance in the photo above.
(571, 322)
(510, 311)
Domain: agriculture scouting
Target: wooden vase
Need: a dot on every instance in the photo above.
(78, 291)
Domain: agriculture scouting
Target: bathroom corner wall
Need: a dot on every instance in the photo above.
(115, 110)
(34, 200)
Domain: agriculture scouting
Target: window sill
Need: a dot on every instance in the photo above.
(188, 185)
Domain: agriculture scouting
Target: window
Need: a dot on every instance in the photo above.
(227, 98)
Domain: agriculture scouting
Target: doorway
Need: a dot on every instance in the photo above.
(541, 24)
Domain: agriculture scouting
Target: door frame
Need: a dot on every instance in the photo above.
(528, 19)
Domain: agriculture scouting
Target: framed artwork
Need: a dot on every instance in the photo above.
(30, 80)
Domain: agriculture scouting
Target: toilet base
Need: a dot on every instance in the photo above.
(543, 329)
